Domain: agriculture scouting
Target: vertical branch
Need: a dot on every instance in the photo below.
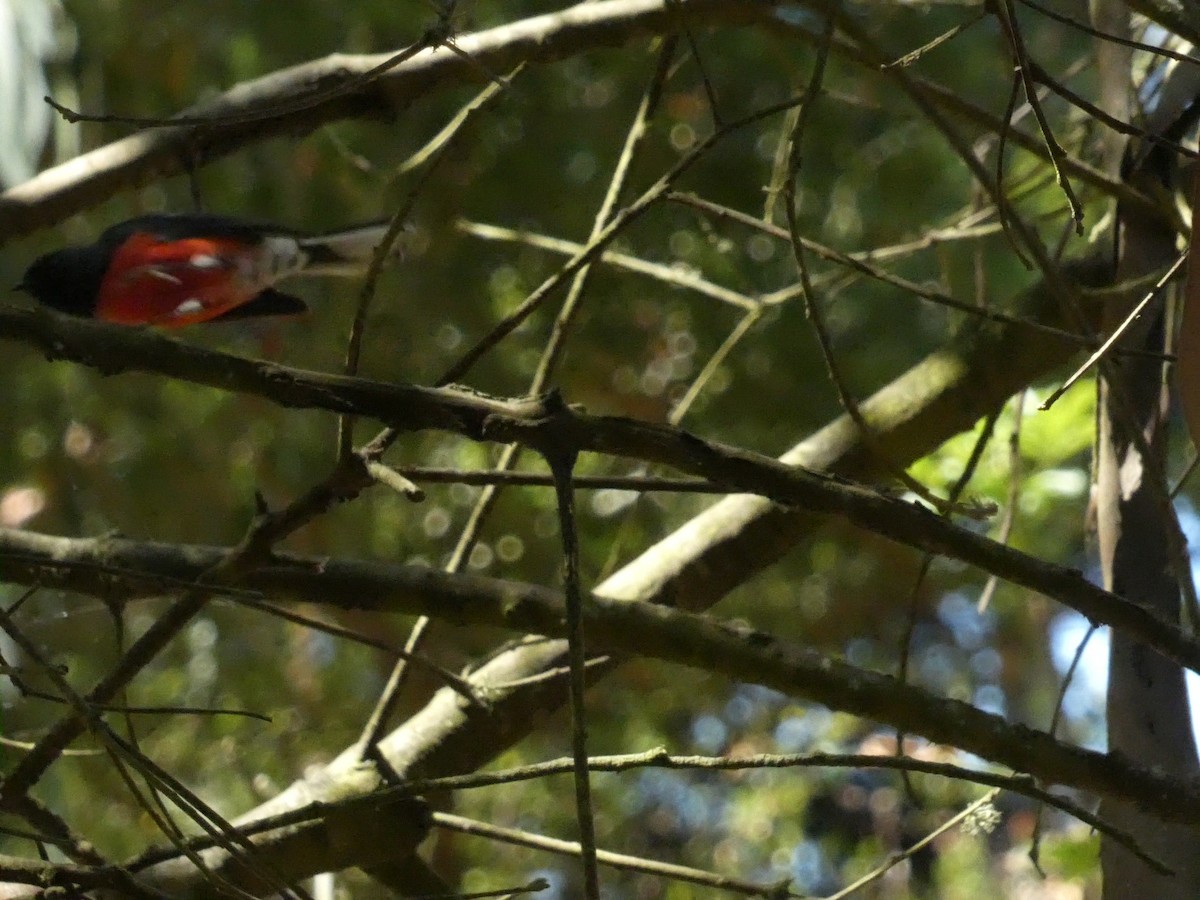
(562, 465)
(1187, 370)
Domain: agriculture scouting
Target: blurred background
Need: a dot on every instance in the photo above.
(153, 459)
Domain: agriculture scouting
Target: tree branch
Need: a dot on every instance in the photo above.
(545, 423)
(627, 627)
(244, 114)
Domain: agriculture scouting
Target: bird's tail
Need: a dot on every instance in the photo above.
(349, 251)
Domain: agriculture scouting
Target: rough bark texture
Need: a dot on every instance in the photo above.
(1148, 713)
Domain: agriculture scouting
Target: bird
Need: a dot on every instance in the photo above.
(176, 269)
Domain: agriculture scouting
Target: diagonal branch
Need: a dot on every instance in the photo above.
(151, 155)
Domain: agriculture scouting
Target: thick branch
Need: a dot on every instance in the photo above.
(338, 90)
(545, 423)
(343, 831)
(629, 628)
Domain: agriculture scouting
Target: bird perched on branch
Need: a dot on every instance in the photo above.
(173, 270)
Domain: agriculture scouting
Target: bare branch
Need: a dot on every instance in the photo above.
(136, 160)
(643, 629)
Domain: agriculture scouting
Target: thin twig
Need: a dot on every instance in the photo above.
(671, 275)
(858, 263)
(619, 861)
(562, 463)
(506, 893)
(1128, 321)
(896, 859)
(616, 225)
(909, 58)
(438, 34)
(1095, 113)
(910, 625)
(715, 361)
(640, 483)
(452, 681)
(452, 128)
(1003, 205)
(1154, 49)
(811, 306)
(659, 758)
(1008, 20)
(709, 91)
(367, 293)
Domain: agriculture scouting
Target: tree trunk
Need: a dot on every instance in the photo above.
(1148, 712)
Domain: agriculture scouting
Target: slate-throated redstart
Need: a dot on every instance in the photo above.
(173, 270)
